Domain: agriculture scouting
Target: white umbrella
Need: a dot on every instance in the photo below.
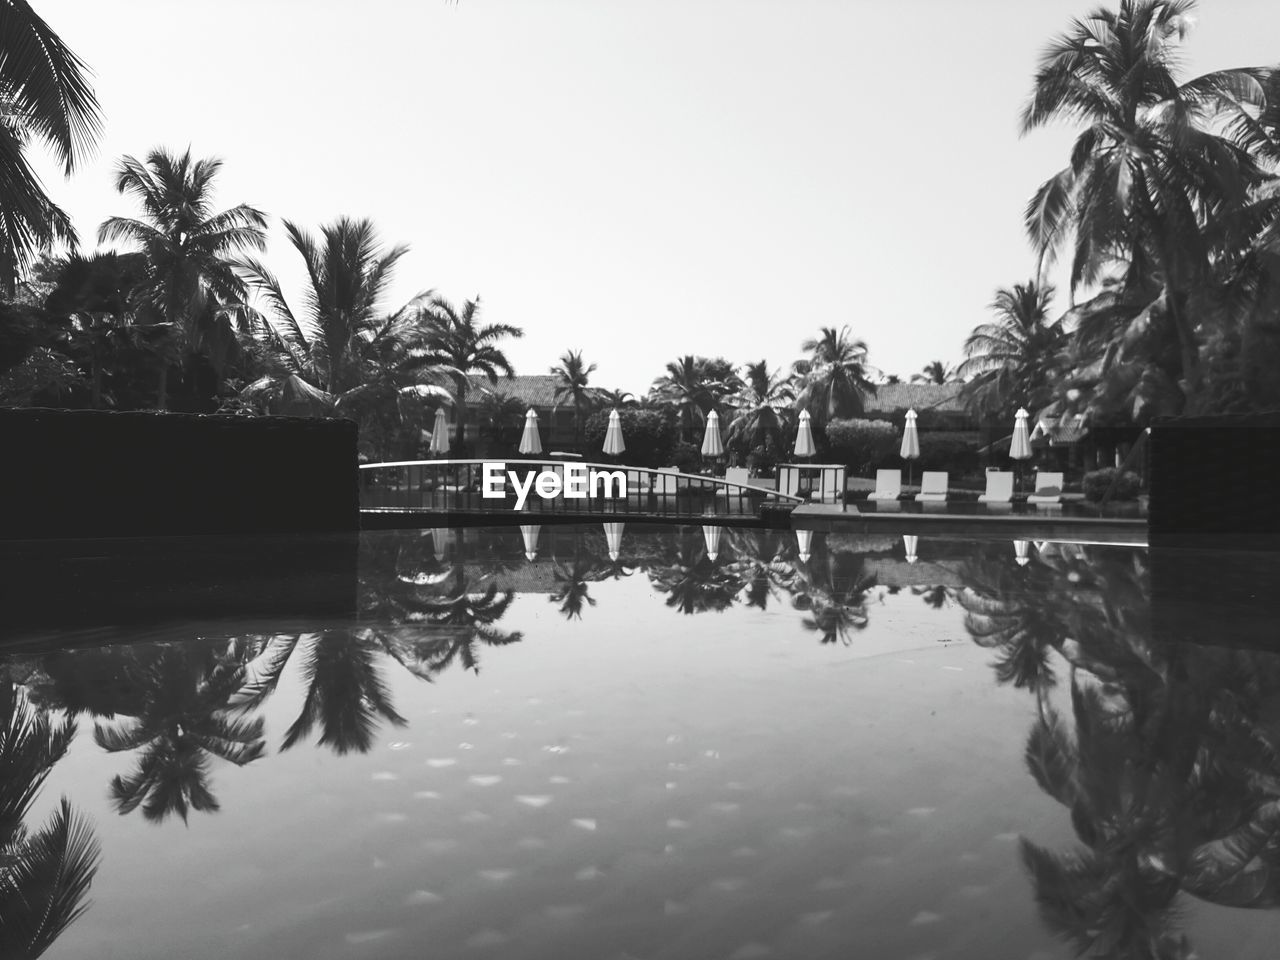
(909, 544)
(613, 537)
(712, 445)
(530, 531)
(711, 535)
(910, 449)
(438, 542)
(804, 540)
(804, 437)
(613, 442)
(1020, 444)
(1020, 552)
(440, 433)
(530, 442)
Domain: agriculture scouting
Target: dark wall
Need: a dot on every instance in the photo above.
(1216, 478)
(91, 473)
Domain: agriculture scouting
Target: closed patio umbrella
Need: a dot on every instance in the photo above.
(439, 542)
(909, 544)
(805, 446)
(440, 434)
(530, 441)
(529, 532)
(1020, 442)
(711, 536)
(712, 445)
(613, 442)
(613, 538)
(1020, 548)
(804, 540)
(910, 449)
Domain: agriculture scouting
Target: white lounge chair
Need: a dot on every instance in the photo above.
(888, 485)
(933, 487)
(1048, 489)
(788, 481)
(664, 481)
(999, 489)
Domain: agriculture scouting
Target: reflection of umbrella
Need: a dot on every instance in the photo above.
(711, 534)
(530, 442)
(530, 531)
(613, 443)
(613, 537)
(804, 540)
(440, 433)
(1020, 443)
(1020, 552)
(438, 542)
(712, 445)
(910, 449)
(804, 437)
(909, 543)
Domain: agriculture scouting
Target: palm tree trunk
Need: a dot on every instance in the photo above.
(460, 427)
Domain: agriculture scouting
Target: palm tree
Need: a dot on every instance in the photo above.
(45, 94)
(935, 371)
(571, 384)
(1013, 361)
(688, 387)
(615, 398)
(762, 409)
(190, 250)
(45, 874)
(342, 355)
(1153, 187)
(837, 382)
(456, 340)
(502, 416)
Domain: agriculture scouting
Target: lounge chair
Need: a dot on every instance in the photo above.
(1048, 489)
(888, 485)
(999, 489)
(933, 487)
(788, 481)
(664, 481)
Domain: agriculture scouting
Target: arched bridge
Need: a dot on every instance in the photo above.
(545, 488)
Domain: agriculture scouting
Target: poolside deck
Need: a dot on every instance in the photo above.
(828, 517)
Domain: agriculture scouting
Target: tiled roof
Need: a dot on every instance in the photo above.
(1060, 432)
(898, 397)
(536, 390)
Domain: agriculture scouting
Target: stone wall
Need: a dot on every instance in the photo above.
(89, 473)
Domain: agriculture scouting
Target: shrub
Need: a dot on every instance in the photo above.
(1096, 482)
(956, 452)
(685, 456)
(862, 445)
(649, 436)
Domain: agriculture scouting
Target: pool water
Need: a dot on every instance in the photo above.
(657, 742)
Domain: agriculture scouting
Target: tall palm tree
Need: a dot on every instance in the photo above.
(935, 371)
(615, 398)
(190, 251)
(689, 388)
(44, 94)
(457, 340)
(1013, 361)
(572, 375)
(762, 407)
(341, 354)
(837, 382)
(44, 874)
(1152, 182)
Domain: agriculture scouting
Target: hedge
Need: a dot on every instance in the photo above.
(1096, 482)
(862, 445)
(649, 436)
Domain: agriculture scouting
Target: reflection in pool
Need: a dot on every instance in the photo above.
(654, 742)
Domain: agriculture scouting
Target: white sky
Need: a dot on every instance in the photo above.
(638, 180)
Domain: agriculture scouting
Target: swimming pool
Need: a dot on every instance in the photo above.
(643, 741)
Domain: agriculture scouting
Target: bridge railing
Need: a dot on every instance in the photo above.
(455, 486)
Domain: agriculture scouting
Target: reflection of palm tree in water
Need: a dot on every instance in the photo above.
(1169, 767)
(572, 583)
(44, 875)
(693, 582)
(833, 590)
(454, 625)
(183, 719)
